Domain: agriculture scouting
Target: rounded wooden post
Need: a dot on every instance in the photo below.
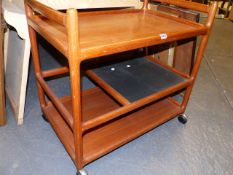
(75, 82)
(35, 57)
(145, 4)
(2, 87)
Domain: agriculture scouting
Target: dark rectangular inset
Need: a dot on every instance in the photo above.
(137, 78)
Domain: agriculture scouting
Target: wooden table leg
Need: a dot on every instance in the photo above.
(2, 94)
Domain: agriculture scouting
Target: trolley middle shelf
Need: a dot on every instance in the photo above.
(106, 122)
(134, 79)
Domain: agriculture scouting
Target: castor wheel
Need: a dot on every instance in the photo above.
(82, 172)
(44, 117)
(183, 119)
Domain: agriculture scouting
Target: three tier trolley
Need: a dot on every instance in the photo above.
(132, 95)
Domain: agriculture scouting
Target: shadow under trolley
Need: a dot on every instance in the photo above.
(132, 96)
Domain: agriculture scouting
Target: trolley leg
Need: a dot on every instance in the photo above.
(36, 62)
(183, 118)
(82, 172)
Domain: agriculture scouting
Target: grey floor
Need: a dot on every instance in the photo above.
(204, 146)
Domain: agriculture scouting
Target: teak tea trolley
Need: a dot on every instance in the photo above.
(94, 122)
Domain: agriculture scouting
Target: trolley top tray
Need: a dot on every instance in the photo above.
(107, 32)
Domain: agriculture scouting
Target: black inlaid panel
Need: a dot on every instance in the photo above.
(137, 78)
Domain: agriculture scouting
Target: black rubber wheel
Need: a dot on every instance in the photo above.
(45, 118)
(182, 119)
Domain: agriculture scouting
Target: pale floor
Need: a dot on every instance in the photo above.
(204, 146)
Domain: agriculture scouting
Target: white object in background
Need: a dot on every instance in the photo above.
(83, 4)
(17, 53)
(17, 44)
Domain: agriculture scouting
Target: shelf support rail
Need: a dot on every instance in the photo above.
(135, 105)
(176, 71)
(59, 106)
(115, 94)
(55, 72)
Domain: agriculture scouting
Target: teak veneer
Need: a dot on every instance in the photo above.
(2, 84)
(119, 31)
(94, 122)
(110, 136)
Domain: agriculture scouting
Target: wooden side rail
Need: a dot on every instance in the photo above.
(187, 4)
(54, 15)
(60, 107)
(176, 71)
(116, 95)
(36, 14)
(55, 72)
(135, 105)
(2, 87)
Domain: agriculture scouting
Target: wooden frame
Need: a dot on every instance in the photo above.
(2, 87)
(89, 134)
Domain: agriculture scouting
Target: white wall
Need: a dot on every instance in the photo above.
(79, 4)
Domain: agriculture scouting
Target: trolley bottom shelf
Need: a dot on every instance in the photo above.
(100, 141)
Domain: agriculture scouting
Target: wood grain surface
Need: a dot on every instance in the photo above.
(2, 94)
